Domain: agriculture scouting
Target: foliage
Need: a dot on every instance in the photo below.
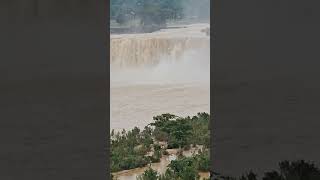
(202, 161)
(148, 11)
(200, 129)
(180, 132)
(198, 8)
(177, 131)
(186, 168)
(149, 174)
(128, 149)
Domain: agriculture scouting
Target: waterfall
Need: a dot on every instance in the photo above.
(136, 50)
(161, 72)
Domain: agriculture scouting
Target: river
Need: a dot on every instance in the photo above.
(162, 72)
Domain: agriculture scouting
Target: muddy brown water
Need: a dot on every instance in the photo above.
(162, 72)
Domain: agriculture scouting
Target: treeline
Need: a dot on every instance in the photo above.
(130, 149)
(156, 12)
(182, 132)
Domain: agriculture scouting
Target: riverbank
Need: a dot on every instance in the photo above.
(161, 166)
(165, 145)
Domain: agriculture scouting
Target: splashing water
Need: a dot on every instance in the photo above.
(161, 72)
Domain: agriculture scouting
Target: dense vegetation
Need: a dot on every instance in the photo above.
(131, 149)
(150, 12)
(128, 149)
(182, 132)
(184, 168)
(147, 11)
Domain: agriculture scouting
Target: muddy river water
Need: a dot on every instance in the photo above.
(162, 72)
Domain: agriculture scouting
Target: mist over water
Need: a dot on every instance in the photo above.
(160, 72)
(193, 67)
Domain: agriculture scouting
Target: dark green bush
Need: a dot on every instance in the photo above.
(149, 174)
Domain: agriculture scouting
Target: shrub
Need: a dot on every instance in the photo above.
(149, 174)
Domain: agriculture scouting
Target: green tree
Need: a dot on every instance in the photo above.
(149, 174)
(183, 169)
(150, 12)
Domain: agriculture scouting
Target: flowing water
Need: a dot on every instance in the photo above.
(162, 72)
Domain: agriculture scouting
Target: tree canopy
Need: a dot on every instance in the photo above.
(156, 12)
